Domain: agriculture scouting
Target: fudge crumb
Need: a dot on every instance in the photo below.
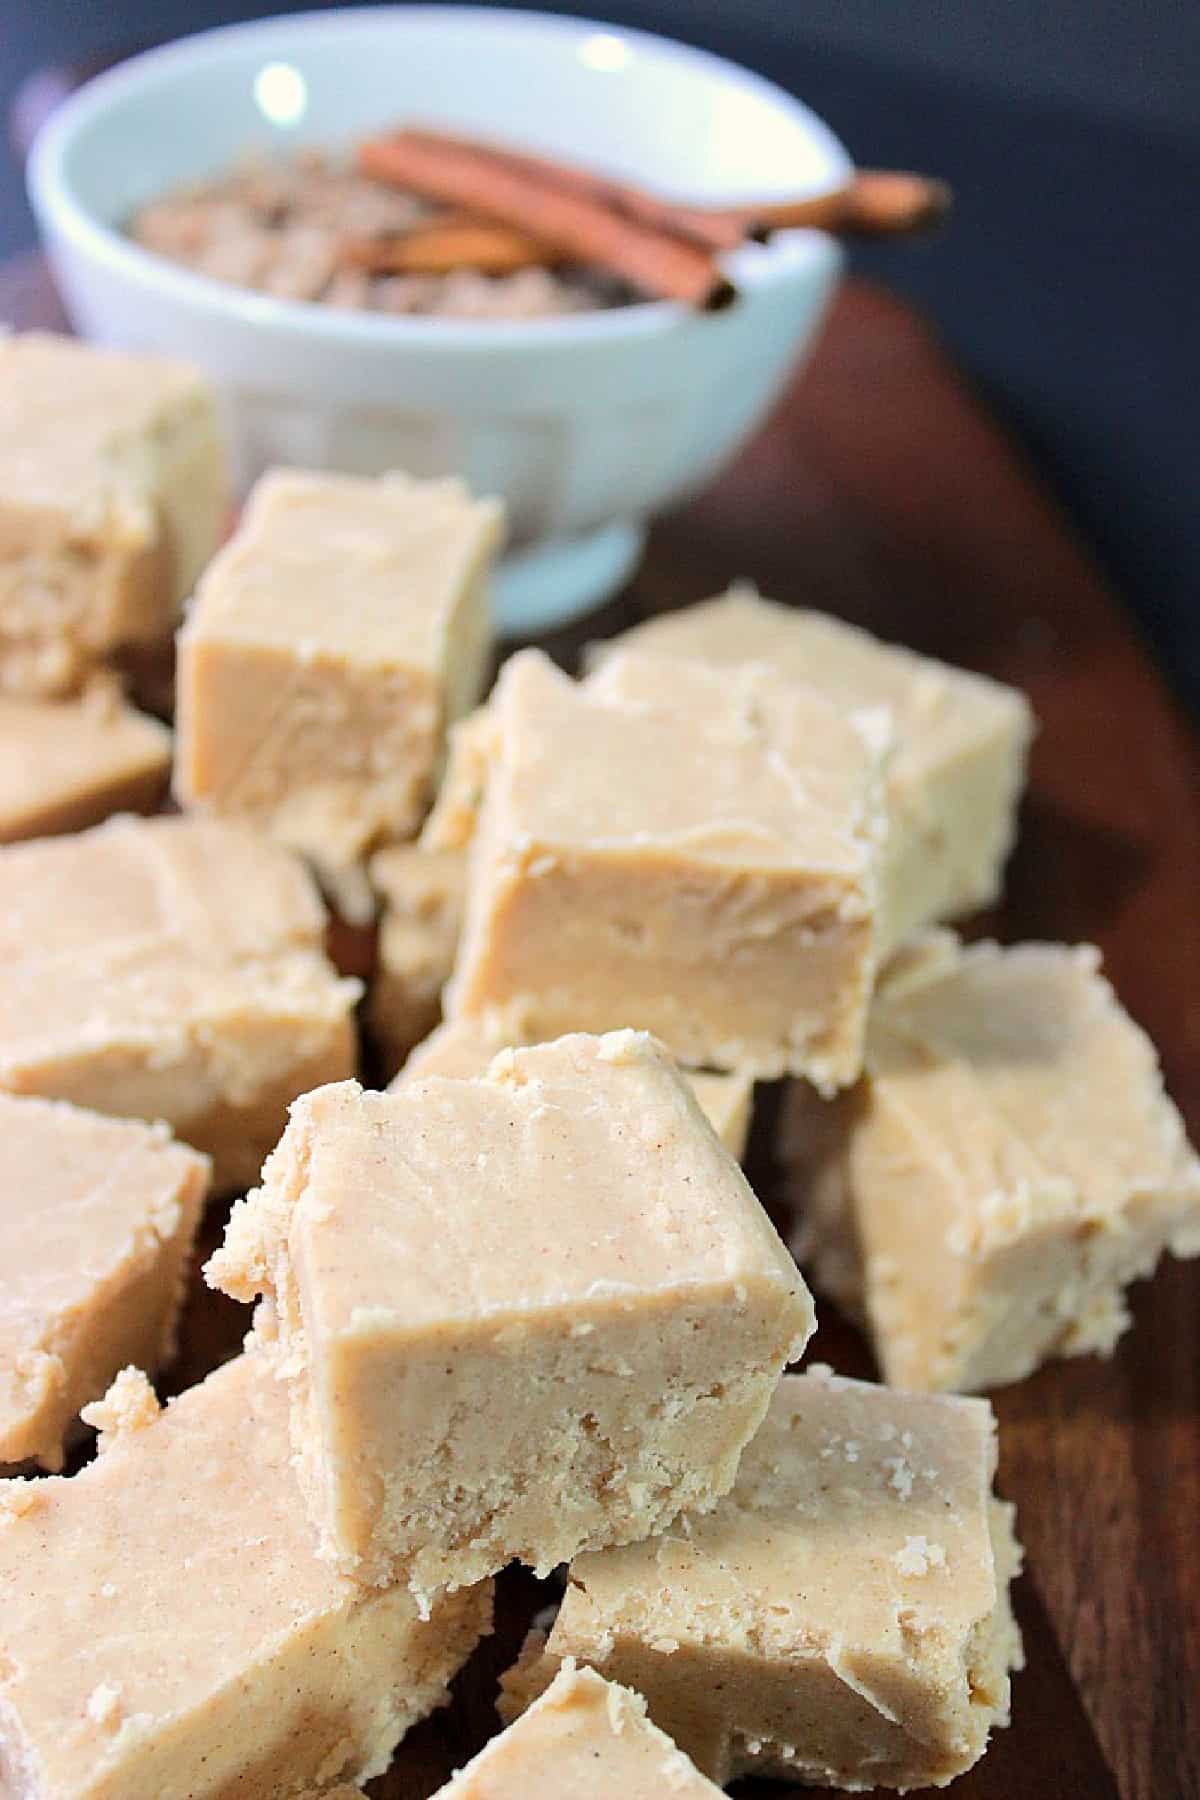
(614, 1705)
(622, 1047)
(129, 1405)
(17, 1498)
(919, 1556)
(104, 1703)
(901, 1476)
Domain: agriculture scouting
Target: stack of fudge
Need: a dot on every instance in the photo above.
(113, 497)
(522, 1304)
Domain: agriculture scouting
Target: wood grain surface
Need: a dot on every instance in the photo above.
(882, 491)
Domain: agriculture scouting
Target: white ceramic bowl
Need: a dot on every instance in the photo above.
(584, 424)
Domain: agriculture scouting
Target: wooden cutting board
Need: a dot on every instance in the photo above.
(883, 492)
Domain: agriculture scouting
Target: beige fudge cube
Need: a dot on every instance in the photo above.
(169, 1629)
(841, 1619)
(958, 765)
(519, 1315)
(421, 894)
(113, 496)
(97, 1219)
(170, 969)
(673, 848)
(68, 764)
(327, 648)
(584, 1739)
(1010, 1165)
(462, 1050)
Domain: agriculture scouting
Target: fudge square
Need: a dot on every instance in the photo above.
(170, 969)
(462, 1050)
(328, 647)
(97, 1219)
(691, 851)
(113, 496)
(584, 1739)
(68, 764)
(421, 895)
(958, 765)
(519, 1315)
(1010, 1165)
(841, 1619)
(168, 1627)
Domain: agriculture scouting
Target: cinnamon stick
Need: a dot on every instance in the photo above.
(711, 229)
(659, 262)
(440, 246)
(874, 203)
(523, 210)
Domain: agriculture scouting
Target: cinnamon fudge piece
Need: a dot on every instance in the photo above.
(170, 969)
(692, 852)
(461, 1049)
(519, 1315)
(97, 1219)
(422, 892)
(168, 1627)
(454, 816)
(328, 646)
(841, 1619)
(1009, 1166)
(67, 764)
(727, 1102)
(958, 765)
(113, 496)
(583, 1739)
(421, 895)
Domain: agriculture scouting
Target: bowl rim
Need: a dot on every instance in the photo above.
(61, 212)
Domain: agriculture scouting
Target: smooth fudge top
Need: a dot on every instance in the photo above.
(170, 1566)
(584, 1739)
(462, 1049)
(59, 754)
(401, 551)
(210, 888)
(936, 709)
(73, 423)
(860, 1527)
(730, 769)
(1032, 1072)
(169, 964)
(77, 1192)
(577, 1175)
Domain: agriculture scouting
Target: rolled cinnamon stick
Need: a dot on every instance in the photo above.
(710, 229)
(659, 262)
(538, 211)
(874, 203)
